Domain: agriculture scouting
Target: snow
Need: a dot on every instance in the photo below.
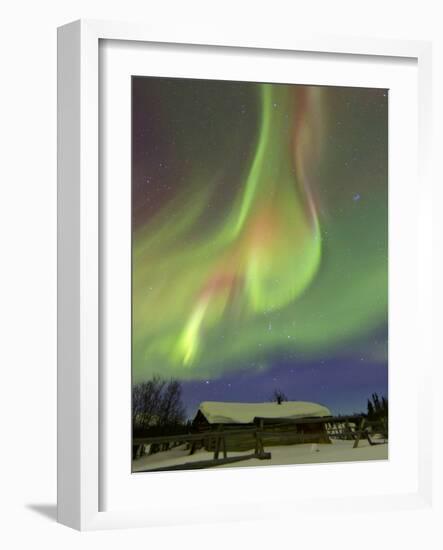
(217, 412)
(337, 451)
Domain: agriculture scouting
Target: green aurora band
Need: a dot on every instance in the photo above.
(274, 272)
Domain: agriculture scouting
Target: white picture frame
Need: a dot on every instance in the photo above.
(80, 411)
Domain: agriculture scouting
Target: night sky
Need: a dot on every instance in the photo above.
(260, 254)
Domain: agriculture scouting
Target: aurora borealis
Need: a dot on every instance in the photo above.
(260, 239)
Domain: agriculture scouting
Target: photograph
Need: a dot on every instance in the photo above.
(259, 288)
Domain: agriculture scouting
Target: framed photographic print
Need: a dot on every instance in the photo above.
(235, 290)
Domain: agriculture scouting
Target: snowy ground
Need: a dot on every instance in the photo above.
(338, 451)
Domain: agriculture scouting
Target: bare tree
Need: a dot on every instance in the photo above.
(157, 402)
(278, 396)
(171, 409)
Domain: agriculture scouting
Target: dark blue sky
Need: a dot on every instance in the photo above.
(342, 384)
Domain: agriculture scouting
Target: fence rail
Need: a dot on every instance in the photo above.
(350, 427)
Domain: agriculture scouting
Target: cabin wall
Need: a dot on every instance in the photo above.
(311, 433)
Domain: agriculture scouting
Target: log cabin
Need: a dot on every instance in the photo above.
(286, 423)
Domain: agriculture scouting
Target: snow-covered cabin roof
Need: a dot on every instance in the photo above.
(217, 412)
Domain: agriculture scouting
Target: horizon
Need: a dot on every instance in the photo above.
(327, 382)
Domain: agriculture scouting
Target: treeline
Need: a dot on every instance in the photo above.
(377, 408)
(157, 405)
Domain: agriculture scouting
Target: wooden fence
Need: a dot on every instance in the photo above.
(346, 428)
(215, 439)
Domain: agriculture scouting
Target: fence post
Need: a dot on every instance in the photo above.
(347, 429)
(217, 442)
(359, 434)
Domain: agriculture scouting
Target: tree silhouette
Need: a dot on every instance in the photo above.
(378, 408)
(157, 402)
(278, 396)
